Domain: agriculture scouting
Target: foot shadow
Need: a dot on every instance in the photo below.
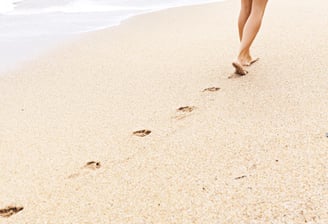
(235, 76)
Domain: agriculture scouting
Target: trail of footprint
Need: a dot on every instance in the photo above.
(142, 133)
(212, 89)
(10, 210)
(92, 165)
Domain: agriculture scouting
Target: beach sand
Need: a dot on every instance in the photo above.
(254, 151)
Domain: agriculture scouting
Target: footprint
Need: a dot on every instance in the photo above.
(10, 210)
(186, 109)
(92, 165)
(212, 89)
(142, 133)
(241, 177)
(184, 112)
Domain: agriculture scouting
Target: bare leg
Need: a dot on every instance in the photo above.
(245, 11)
(249, 32)
(251, 29)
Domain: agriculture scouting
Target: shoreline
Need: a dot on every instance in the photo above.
(250, 150)
(37, 50)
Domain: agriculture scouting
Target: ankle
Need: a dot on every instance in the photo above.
(243, 57)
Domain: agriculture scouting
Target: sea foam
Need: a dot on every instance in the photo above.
(7, 6)
(28, 27)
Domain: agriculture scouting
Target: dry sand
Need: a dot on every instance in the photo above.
(253, 152)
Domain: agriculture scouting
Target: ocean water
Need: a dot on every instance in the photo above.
(30, 27)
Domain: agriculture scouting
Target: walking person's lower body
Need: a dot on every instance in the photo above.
(249, 23)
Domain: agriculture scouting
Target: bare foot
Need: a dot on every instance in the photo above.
(239, 68)
(251, 61)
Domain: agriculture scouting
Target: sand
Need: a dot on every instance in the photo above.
(253, 151)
